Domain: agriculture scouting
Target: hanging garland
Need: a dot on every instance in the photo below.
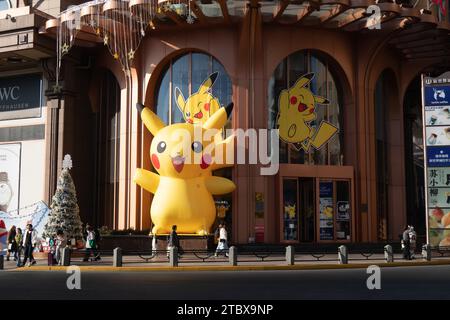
(121, 24)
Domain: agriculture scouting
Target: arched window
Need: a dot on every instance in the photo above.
(323, 84)
(5, 4)
(187, 73)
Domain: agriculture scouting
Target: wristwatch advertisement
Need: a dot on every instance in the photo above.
(10, 155)
(6, 192)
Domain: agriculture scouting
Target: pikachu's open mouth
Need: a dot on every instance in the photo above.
(178, 163)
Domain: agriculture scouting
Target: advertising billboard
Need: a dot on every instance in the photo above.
(436, 137)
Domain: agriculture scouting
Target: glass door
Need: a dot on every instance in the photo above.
(334, 213)
(290, 210)
(307, 209)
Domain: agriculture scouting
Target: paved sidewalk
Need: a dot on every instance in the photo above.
(245, 262)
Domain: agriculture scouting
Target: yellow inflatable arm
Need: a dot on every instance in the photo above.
(150, 119)
(147, 180)
(219, 185)
(219, 118)
(225, 146)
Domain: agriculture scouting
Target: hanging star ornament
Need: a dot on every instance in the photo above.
(57, 88)
(65, 48)
(105, 40)
(116, 56)
(190, 19)
(131, 54)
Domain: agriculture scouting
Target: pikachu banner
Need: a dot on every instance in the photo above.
(200, 105)
(297, 106)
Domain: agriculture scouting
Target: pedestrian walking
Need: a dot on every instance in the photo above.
(60, 244)
(154, 245)
(29, 243)
(90, 244)
(406, 244)
(174, 241)
(222, 245)
(19, 240)
(12, 244)
(412, 242)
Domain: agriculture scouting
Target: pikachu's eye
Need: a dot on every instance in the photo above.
(188, 114)
(196, 147)
(161, 147)
(293, 100)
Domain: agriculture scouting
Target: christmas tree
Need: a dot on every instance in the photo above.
(64, 213)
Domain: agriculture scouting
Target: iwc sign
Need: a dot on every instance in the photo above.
(20, 97)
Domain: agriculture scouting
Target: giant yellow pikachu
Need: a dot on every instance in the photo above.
(184, 188)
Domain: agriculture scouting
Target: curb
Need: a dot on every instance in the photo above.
(237, 268)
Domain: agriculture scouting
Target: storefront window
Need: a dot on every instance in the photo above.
(343, 213)
(290, 208)
(323, 84)
(326, 208)
(303, 221)
(335, 210)
(5, 4)
(187, 73)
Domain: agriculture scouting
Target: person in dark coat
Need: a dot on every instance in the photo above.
(12, 245)
(406, 244)
(174, 241)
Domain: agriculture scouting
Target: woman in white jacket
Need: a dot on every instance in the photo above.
(223, 240)
(29, 243)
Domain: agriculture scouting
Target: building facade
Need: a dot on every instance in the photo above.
(364, 185)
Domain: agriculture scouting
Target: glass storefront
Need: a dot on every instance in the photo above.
(316, 210)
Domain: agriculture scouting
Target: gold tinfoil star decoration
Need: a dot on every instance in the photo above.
(105, 40)
(116, 56)
(97, 31)
(131, 54)
(65, 48)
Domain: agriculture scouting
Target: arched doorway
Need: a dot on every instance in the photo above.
(414, 157)
(315, 201)
(389, 158)
(189, 85)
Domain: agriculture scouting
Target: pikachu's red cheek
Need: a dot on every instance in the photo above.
(206, 106)
(155, 161)
(206, 161)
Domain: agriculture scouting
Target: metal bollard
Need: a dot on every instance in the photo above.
(65, 257)
(117, 257)
(343, 255)
(290, 255)
(173, 256)
(388, 253)
(232, 256)
(426, 252)
(2, 262)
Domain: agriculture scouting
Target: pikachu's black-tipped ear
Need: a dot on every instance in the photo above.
(219, 118)
(208, 83)
(140, 107)
(229, 108)
(150, 119)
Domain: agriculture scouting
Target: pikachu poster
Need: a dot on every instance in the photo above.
(201, 105)
(297, 106)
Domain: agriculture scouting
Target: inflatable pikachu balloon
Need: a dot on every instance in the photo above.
(200, 106)
(185, 186)
(296, 110)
